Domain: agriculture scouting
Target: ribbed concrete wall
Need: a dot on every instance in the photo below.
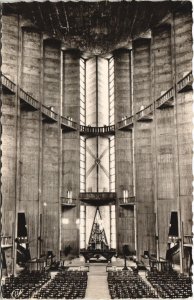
(69, 230)
(71, 145)
(30, 126)
(183, 52)
(183, 42)
(164, 134)
(141, 73)
(182, 48)
(123, 141)
(51, 149)
(9, 67)
(143, 148)
(162, 148)
(161, 59)
(123, 147)
(125, 228)
(10, 44)
(25, 67)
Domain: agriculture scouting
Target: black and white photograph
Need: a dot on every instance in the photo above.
(96, 149)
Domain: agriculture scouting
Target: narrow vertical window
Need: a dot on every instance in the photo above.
(82, 92)
(82, 226)
(82, 164)
(112, 227)
(111, 90)
(82, 122)
(112, 163)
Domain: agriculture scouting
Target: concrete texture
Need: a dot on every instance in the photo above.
(123, 147)
(40, 163)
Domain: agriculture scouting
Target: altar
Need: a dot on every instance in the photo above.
(88, 254)
(98, 248)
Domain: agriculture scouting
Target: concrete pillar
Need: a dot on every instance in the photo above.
(71, 147)
(51, 132)
(123, 147)
(183, 55)
(30, 138)
(143, 149)
(9, 118)
(182, 64)
(163, 135)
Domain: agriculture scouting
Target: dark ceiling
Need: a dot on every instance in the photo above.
(97, 27)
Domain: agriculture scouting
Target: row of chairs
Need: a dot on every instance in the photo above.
(127, 284)
(24, 285)
(170, 284)
(66, 284)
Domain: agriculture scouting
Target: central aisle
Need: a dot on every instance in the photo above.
(97, 287)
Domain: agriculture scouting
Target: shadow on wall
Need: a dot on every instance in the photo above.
(68, 253)
(67, 250)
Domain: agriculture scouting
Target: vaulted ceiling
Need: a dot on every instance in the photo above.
(97, 27)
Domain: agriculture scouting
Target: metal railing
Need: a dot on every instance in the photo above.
(29, 99)
(126, 122)
(68, 201)
(98, 196)
(97, 130)
(164, 99)
(127, 201)
(66, 122)
(185, 81)
(188, 239)
(22, 239)
(145, 113)
(6, 241)
(6, 82)
(48, 112)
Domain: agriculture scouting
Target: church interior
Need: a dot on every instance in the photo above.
(96, 141)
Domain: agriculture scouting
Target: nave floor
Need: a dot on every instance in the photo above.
(97, 287)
